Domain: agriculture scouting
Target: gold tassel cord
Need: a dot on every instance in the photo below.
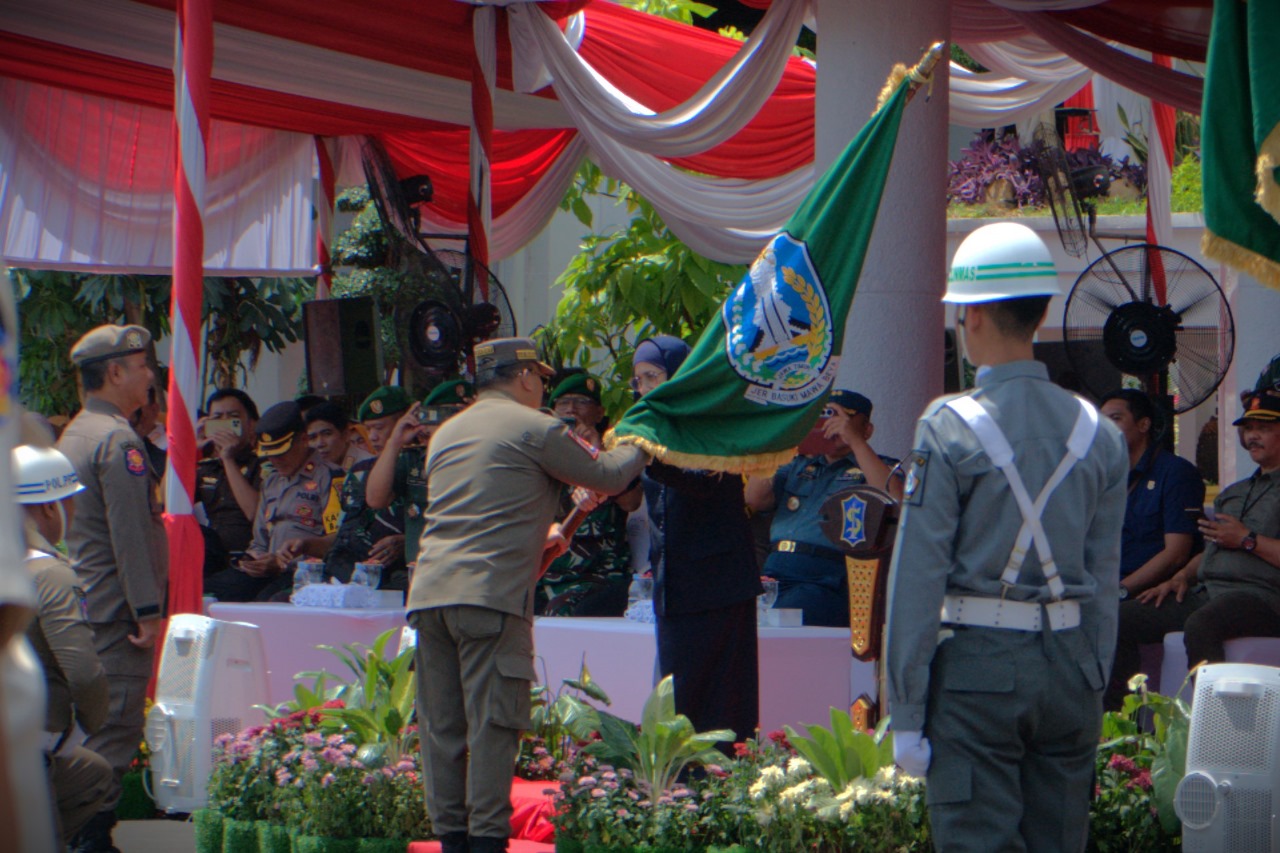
(1268, 194)
(1248, 261)
(918, 75)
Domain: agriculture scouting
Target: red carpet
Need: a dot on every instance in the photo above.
(531, 829)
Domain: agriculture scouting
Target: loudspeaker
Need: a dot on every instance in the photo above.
(344, 347)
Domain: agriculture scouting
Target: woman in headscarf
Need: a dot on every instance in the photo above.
(706, 576)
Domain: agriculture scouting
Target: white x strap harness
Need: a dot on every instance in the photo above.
(1022, 615)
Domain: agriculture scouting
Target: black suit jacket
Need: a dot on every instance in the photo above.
(705, 557)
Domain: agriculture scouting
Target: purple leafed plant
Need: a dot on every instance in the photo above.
(988, 160)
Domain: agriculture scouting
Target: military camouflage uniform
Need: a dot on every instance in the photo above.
(591, 579)
(361, 527)
(410, 488)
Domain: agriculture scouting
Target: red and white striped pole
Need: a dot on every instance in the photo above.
(484, 72)
(324, 218)
(193, 66)
(1160, 155)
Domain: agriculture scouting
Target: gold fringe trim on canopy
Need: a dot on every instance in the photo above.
(755, 463)
(919, 74)
(1248, 261)
(1268, 194)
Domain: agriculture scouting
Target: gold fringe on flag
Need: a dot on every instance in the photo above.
(919, 74)
(754, 463)
(1258, 266)
(1268, 195)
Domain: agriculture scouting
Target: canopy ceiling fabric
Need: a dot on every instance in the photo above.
(401, 70)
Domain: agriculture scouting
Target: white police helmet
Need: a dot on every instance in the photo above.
(1003, 260)
(43, 475)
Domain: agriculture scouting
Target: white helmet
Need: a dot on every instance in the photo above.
(1003, 260)
(43, 475)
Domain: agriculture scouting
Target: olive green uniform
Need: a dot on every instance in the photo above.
(494, 473)
(592, 577)
(118, 548)
(77, 686)
(410, 487)
(361, 527)
(1013, 716)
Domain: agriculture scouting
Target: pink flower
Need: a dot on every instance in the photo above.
(368, 779)
(691, 807)
(328, 780)
(313, 740)
(620, 812)
(1141, 779)
(717, 771)
(587, 781)
(597, 793)
(681, 793)
(283, 777)
(1123, 763)
(334, 740)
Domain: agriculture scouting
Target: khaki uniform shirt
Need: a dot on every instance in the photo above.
(306, 504)
(63, 641)
(960, 521)
(493, 474)
(116, 541)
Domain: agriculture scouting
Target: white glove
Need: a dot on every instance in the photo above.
(911, 752)
(587, 500)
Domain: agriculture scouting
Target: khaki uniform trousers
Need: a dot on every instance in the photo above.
(80, 780)
(128, 669)
(475, 670)
(1013, 718)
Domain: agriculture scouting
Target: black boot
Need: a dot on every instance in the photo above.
(482, 844)
(96, 835)
(454, 842)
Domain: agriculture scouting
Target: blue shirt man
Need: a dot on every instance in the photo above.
(810, 571)
(1165, 497)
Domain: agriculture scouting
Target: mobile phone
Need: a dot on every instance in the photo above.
(223, 425)
(1206, 512)
(436, 415)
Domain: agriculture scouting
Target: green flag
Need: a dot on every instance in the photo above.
(758, 377)
(1240, 139)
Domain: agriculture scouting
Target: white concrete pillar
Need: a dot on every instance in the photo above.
(893, 347)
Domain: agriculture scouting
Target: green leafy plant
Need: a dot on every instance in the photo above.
(245, 315)
(1140, 762)
(376, 707)
(662, 747)
(842, 754)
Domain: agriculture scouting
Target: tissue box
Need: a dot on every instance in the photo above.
(334, 595)
(783, 617)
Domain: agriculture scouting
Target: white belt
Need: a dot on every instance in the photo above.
(1004, 613)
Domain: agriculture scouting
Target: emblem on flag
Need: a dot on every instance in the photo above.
(778, 327)
(853, 530)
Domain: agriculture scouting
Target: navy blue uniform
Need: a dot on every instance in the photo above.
(811, 576)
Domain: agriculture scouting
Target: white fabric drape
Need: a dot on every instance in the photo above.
(717, 111)
(102, 198)
(987, 100)
(141, 33)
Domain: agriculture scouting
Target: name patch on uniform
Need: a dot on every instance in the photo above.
(135, 462)
(917, 469)
(584, 444)
(314, 497)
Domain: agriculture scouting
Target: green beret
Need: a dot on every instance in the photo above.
(387, 400)
(107, 342)
(277, 428)
(453, 392)
(583, 384)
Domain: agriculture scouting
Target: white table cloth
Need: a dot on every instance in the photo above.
(803, 671)
(290, 635)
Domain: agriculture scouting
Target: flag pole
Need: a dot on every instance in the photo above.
(917, 75)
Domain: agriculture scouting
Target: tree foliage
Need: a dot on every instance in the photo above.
(57, 308)
(627, 284)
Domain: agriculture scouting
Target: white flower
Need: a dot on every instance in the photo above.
(772, 775)
(798, 767)
(796, 792)
(885, 774)
(758, 788)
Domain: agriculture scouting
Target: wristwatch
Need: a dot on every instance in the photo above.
(1249, 542)
(1124, 592)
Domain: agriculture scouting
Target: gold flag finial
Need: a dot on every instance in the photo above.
(917, 75)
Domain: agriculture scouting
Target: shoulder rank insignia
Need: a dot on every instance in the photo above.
(135, 462)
